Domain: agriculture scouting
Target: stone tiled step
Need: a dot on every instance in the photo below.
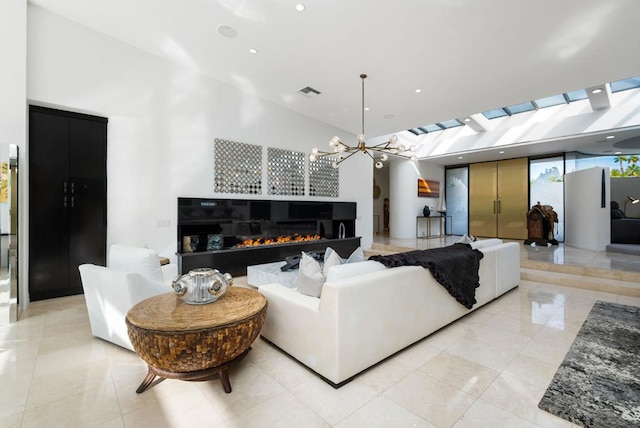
(619, 275)
(587, 282)
(383, 249)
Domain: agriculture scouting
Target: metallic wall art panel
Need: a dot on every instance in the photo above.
(285, 172)
(238, 167)
(324, 179)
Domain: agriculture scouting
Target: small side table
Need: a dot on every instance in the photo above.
(195, 342)
(442, 224)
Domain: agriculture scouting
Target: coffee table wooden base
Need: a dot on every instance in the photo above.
(195, 342)
(202, 375)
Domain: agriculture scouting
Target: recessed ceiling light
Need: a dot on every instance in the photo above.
(610, 137)
(299, 7)
(501, 151)
(253, 51)
(618, 153)
(418, 90)
(366, 108)
(227, 31)
(468, 119)
(459, 157)
(596, 91)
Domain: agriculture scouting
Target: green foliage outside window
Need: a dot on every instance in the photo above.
(628, 166)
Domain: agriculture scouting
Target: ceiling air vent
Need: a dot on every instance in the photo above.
(309, 92)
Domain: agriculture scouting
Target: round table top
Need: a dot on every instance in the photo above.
(167, 312)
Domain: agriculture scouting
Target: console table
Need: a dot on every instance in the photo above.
(195, 342)
(442, 226)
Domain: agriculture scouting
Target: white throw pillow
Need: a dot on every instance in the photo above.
(310, 276)
(466, 239)
(355, 257)
(331, 259)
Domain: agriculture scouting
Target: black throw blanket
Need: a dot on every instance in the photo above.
(455, 267)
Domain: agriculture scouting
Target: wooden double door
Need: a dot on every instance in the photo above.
(499, 198)
(67, 199)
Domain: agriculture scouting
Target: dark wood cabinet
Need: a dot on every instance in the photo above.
(67, 199)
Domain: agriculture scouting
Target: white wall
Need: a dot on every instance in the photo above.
(588, 224)
(162, 123)
(13, 110)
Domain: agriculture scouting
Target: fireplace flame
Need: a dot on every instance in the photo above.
(278, 240)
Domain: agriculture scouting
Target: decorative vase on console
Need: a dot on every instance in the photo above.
(426, 211)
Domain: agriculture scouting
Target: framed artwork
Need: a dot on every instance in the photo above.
(428, 188)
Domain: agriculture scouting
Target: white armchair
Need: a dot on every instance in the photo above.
(133, 274)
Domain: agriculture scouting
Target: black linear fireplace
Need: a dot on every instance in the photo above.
(231, 234)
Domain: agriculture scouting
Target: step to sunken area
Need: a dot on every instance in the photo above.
(625, 283)
(379, 249)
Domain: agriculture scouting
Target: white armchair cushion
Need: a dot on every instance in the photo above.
(144, 261)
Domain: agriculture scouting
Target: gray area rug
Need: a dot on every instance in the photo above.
(598, 383)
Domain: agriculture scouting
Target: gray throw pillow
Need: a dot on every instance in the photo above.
(310, 276)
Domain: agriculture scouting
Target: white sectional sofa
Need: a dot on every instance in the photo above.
(367, 312)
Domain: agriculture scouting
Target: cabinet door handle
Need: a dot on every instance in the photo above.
(73, 186)
(65, 187)
(64, 202)
(72, 202)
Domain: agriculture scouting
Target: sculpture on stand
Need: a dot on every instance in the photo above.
(541, 220)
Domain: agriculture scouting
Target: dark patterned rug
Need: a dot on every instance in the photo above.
(598, 383)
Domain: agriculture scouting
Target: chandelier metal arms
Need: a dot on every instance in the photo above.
(379, 153)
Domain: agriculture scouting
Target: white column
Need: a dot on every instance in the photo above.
(587, 222)
(403, 190)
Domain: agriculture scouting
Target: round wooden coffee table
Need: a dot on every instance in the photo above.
(195, 342)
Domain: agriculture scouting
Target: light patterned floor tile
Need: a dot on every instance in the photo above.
(281, 411)
(91, 407)
(521, 398)
(333, 405)
(383, 413)
(485, 415)
(460, 373)
(437, 402)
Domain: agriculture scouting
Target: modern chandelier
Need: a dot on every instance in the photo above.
(379, 153)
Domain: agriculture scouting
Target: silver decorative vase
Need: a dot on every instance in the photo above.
(201, 285)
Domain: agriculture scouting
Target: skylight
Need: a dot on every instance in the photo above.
(519, 108)
(493, 114)
(578, 95)
(625, 84)
(554, 100)
(447, 124)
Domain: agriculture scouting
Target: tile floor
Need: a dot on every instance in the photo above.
(488, 369)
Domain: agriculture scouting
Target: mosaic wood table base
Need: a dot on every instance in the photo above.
(195, 342)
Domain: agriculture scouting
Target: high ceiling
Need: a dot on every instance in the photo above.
(466, 56)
